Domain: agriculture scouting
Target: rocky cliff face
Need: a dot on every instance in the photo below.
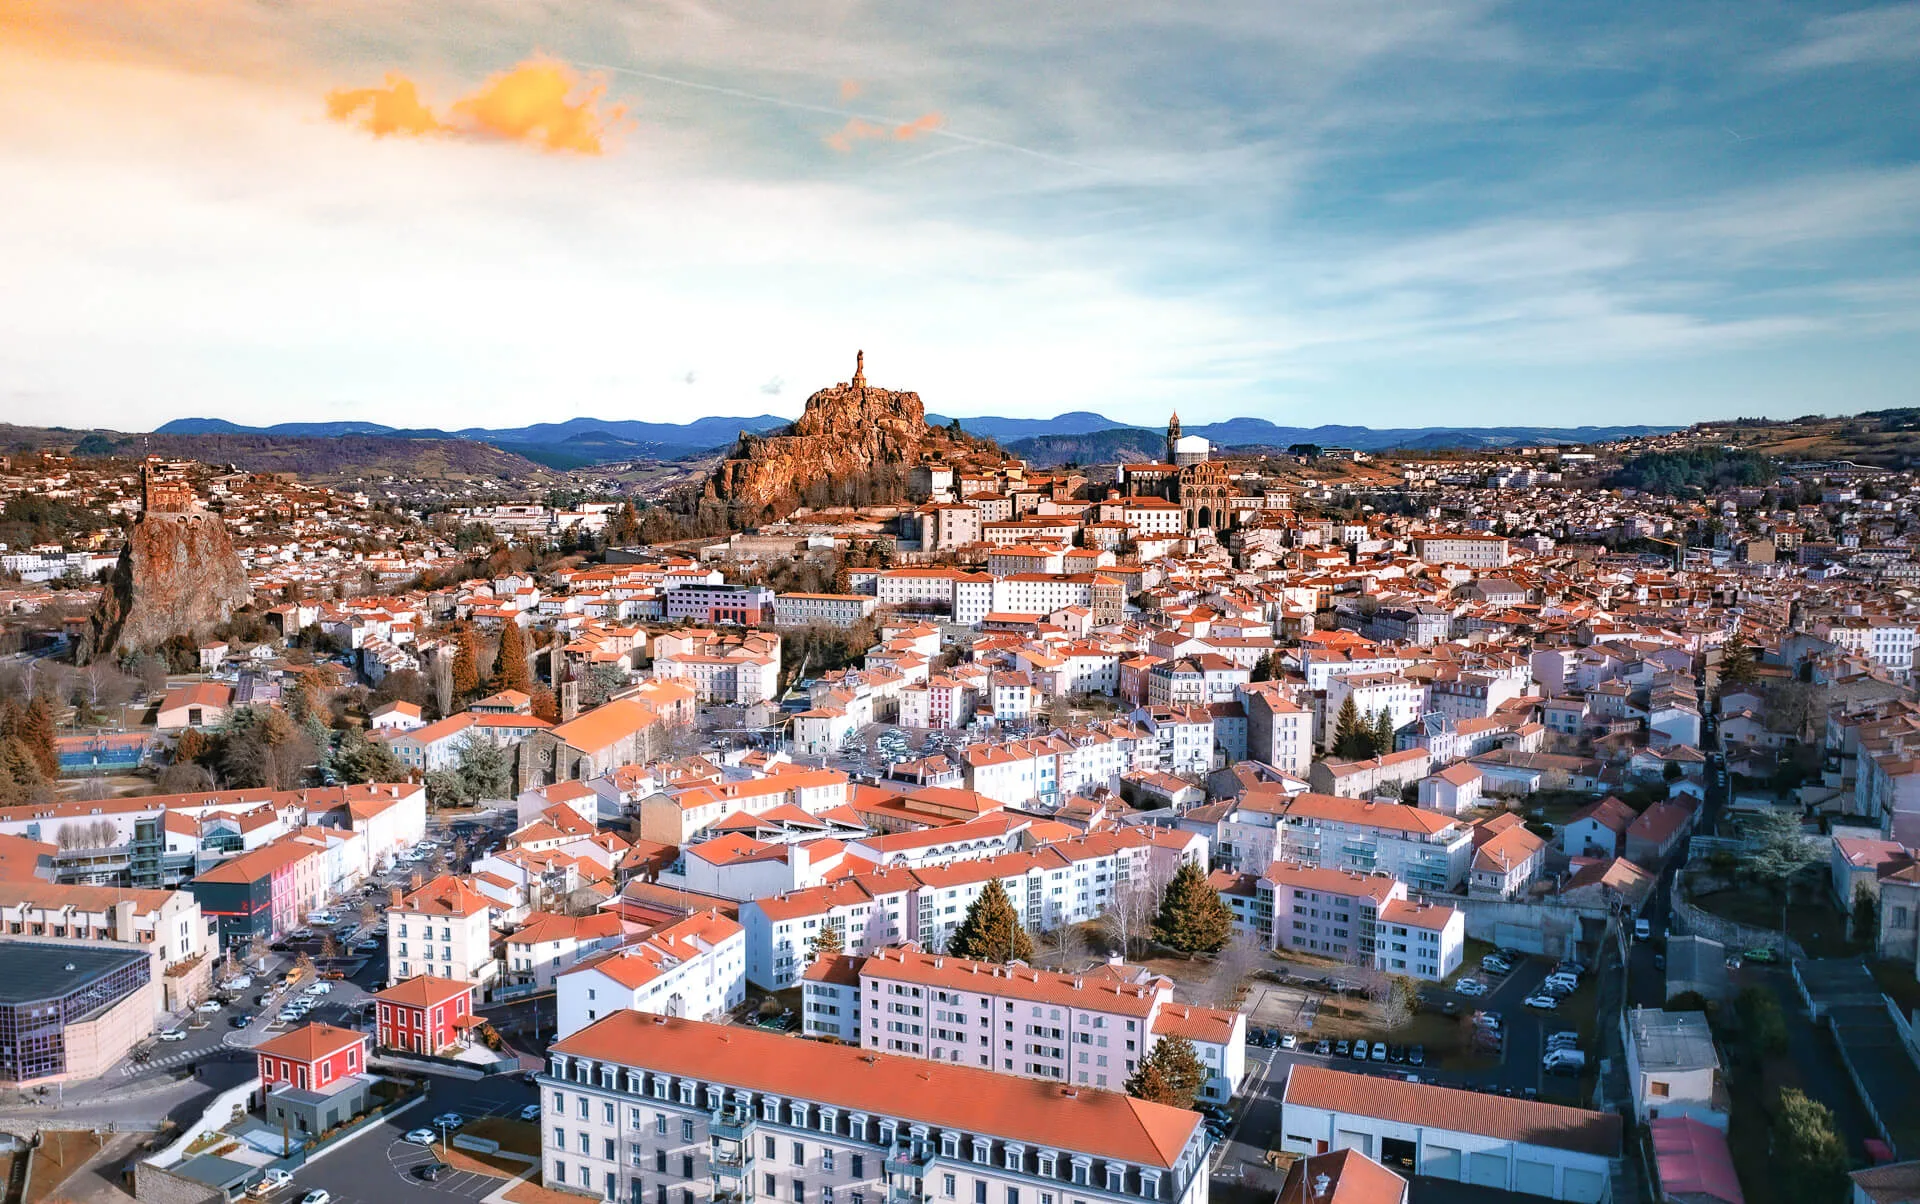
(850, 432)
(177, 575)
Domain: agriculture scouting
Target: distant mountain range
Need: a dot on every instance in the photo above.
(1078, 435)
(574, 443)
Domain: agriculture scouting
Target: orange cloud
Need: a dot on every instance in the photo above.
(530, 103)
(849, 88)
(858, 130)
(394, 109)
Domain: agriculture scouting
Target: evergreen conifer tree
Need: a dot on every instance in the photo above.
(1192, 918)
(510, 666)
(35, 729)
(991, 931)
(1347, 731)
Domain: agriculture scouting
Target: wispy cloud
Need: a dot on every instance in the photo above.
(1889, 33)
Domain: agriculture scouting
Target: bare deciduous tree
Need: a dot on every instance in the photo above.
(1127, 923)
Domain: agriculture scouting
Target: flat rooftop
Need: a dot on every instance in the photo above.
(39, 971)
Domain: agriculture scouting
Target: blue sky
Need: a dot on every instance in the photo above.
(1355, 211)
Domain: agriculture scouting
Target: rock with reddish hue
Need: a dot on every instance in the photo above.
(848, 430)
(178, 575)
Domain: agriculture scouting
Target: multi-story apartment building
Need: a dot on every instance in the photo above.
(1067, 881)
(443, 929)
(1365, 919)
(1279, 730)
(1474, 551)
(720, 604)
(1088, 1028)
(641, 1109)
(723, 667)
(822, 610)
(1424, 849)
(693, 967)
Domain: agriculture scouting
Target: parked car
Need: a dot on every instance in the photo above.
(1358, 1049)
(1396, 1053)
(316, 1196)
(239, 1021)
(451, 1120)
(174, 1034)
(1545, 1003)
(1379, 1051)
(530, 1112)
(209, 1007)
(1472, 988)
(419, 1136)
(1642, 930)
(1289, 1041)
(1762, 955)
(1417, 1056)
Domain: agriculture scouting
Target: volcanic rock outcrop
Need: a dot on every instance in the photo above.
(177, 575)
(849, 433)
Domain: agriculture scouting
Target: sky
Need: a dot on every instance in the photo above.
(495, 212)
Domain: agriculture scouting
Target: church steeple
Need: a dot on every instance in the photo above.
(1173, 435)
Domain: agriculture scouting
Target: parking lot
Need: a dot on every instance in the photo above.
(382, 1166)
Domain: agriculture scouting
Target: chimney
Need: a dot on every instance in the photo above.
(393, 899)
(1320, 1185)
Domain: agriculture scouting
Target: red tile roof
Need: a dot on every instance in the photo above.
(311, 1042)
(1102, 1123)
(425, 990)
(1496, 1116)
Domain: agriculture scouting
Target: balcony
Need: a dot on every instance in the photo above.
(910, 1164)
(729, 1163)
(730, 1124)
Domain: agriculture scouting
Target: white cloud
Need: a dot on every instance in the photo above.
(1889, 33)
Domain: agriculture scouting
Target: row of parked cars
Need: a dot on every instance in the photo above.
(1380, 1051)
(1562, 982)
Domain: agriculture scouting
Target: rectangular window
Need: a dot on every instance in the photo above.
(559, 1172)
(979, 1191)
(799, 1153)
(660, 1123)
(606, 1113)
(799, 1192)
(686, 1130)
(560, 1138)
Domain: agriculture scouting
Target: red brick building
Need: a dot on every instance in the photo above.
(423, 1014)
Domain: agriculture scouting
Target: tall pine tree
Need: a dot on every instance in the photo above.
(1171, 1073)
(510, 666)
(991, 931)
(1349, 735)
(1192, 918)
(1382, 733)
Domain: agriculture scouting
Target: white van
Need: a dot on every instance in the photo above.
(1564, 1057)
(1642, 930)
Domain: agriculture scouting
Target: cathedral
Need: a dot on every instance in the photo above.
(1187, 476)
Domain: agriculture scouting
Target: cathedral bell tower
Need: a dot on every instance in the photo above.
(1173, 435)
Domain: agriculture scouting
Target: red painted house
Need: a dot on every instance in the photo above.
(314, 1077)
(423, 1014)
